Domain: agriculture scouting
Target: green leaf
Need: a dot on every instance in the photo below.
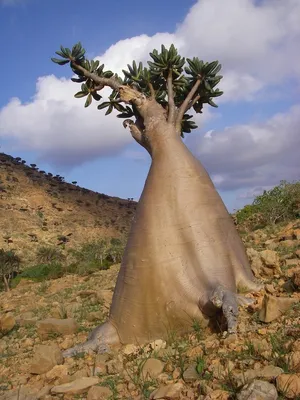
(88, 100)
(79, 80)
(78, 95)
(210, 67)
(207, 85)
(59, 62)
(108, 74)
(96, 96)
(65, 51)
(103, 105)
(211, 103)
(61, 54)
(109, 110)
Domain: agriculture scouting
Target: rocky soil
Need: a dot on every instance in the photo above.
(39, 320)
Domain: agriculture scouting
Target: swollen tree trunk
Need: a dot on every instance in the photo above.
(183, 245)
(184, 258)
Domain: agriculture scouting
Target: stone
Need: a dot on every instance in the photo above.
(260, 345)
(152, 368)
(289, 385)
(255, 261)
(94, 316)
(7, 322)
(270, 258)
(258, 390)
(191, 374)
(129, 349)
(99, 393)
(296, 279)
(105, 297)
(274, 307)
(78, 386)
(50, 326)
(57, 372)
(195, 352)
(171, 391)
(218, 395)
(270, 372)
(294, 361)
(45, 358)
(22, 393)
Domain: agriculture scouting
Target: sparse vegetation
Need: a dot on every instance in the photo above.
(9, 265)
(280, 204)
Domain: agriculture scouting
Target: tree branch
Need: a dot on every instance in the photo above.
(184, 106)
(111, 82)
(195, 99)
(152, 91)
(171, 103)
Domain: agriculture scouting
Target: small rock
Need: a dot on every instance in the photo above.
(274, 307)
(270, 258)
(195, 352)
(76, 387)
(296, 279)
(152, 368)
(45, 358)
(105, 296)
(99, 393)
(171, 391)
(191, 374)
(260, 345)
(270, 288)
(58, 371)
(22, 393)
(7, 322)
(94, 316)
(289, 385)
(258, 390)
(129, 349)
(294, 361)
(57, 326)
(218, 395)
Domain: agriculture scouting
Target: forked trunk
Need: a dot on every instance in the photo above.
(183, 245)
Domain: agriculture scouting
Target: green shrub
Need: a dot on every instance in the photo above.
(41, 272)
(282, 203)
(47, 254)
(9, 264)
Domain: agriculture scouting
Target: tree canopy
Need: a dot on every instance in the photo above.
(178, 84)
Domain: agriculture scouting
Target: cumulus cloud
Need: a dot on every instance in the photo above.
(257, 44)
(252, 155)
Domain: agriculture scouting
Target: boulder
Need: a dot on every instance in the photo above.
(50, 326)
(275, 307)
(45, 358)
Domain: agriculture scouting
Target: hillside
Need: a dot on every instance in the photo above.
(39, 209)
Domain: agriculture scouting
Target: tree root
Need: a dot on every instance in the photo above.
(99, 340)
(227, 300)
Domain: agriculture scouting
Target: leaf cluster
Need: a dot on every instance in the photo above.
(151, 80)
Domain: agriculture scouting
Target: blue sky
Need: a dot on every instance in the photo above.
(254, 129)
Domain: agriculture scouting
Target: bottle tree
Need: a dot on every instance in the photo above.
(184, 259)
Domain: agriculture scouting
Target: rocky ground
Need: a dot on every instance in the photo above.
(39, 320)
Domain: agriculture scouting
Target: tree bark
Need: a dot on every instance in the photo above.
(183, 245)
(184, 258)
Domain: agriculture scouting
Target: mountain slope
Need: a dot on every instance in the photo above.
(39, 209)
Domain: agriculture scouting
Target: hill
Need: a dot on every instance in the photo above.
(38, 209)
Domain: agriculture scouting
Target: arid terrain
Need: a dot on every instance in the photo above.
(41, 318)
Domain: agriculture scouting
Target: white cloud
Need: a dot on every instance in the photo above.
(55, 124)
(252, 155)
(258, 46)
